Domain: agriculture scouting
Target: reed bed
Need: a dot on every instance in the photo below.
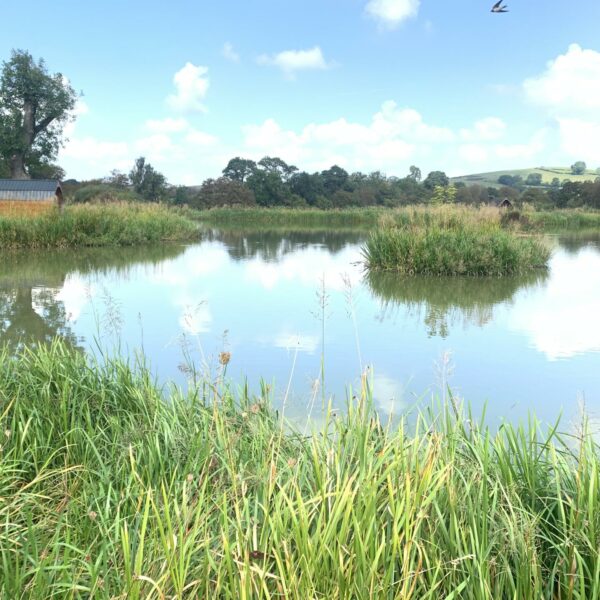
(462, 250)
(445, 216)
(96, 225)
(111, 487)
(560, 220)
(301, 217)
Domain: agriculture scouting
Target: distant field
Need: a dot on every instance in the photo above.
(547, 173)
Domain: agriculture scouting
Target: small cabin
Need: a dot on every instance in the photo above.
(23, 192)
(506, 203)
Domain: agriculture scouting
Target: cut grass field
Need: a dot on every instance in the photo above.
(96, 225)
(113, 488)
(490, 179)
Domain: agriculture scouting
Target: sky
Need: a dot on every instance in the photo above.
(365, 84)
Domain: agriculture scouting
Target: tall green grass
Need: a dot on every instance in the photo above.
(560, 220)
(113, 488)
(96, 225)
(300, 217)
(466, 250)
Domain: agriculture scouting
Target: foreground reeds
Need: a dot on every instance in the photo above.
(95, 225)
(110, 488)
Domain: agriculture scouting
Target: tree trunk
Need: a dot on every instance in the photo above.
(17, 161)
(17, 167)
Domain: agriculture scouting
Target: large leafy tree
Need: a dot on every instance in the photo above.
(34, 108)
(436, 179)
(147, 181)
(239, 169)
(223, 192)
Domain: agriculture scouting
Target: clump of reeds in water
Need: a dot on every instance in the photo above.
(462, 249)
(113, 488)
(116, 224)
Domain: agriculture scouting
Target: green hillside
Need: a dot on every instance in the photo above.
(547, 173)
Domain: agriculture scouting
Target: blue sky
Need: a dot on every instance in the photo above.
(367, 84)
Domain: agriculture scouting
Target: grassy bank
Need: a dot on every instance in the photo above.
(561, 220)
(108, 491)
(300, 217)
(473, 251)
(95, 225)
(444, 216)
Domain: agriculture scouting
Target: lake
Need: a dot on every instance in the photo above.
(296, 309)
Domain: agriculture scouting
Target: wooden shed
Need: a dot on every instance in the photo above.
(506, 203)
(30, 194)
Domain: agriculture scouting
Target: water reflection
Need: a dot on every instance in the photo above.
(574, 242)
(518, 343)
(34, 286)
(443, 302)
(272, 245)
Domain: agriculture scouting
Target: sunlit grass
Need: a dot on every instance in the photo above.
(452, 244)
(12, 208)
(113, 488)
(95, 225)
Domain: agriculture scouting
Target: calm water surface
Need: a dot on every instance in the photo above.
(266, 297)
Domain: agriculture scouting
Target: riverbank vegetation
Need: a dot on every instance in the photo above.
(466, 250)
(272, 183)
(107, 490)
(95, 225)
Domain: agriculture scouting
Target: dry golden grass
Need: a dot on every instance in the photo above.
(25, 208)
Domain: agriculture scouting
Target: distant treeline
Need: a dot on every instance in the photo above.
(271, 182)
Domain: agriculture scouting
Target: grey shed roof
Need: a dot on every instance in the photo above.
(29, 185)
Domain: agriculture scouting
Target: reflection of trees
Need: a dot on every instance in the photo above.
(27, 317)
(573, 243)
(30, 311)
(272, 245)
(446, 301)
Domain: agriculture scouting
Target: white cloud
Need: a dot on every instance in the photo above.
(569, 90)
(393, 139)
(389, 394)
(306, 268)
(191, 83)
(392, 12)
(556, 316)
(229, 53)
(168, 125)
(473, 153)
(156, 147)
(571, 82)
(93, 150)
(291, 61)
(523, 152)
(200, 138)
(75, 294)
(301, 342)
(488, 129)
(581, 139)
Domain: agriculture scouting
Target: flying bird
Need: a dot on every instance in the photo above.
(498, 8)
